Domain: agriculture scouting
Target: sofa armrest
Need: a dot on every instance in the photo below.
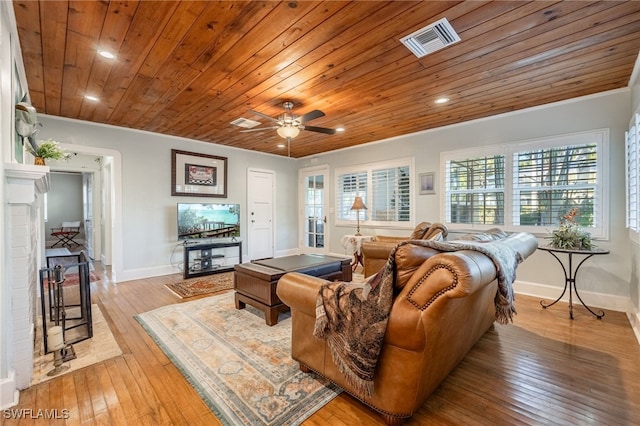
(442, 276)
(299, 291)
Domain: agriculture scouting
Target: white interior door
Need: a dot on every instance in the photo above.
(260, 195)
(313, 209)
(87, 207)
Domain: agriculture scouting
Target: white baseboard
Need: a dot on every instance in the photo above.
(634, 319)
(9, 395)
(142, 273)
(592, 299)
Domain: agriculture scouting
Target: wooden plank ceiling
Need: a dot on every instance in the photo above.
(190, 68)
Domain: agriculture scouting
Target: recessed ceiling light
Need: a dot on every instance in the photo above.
(106, 54)
(91, 98)
(281, 145)
(442, 100)
(340, 129)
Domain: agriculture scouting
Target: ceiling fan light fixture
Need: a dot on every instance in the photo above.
(288, 131)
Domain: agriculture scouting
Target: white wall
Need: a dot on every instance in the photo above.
(605, 275)
(149, 210)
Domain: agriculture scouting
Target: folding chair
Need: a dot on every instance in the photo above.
(66, 234)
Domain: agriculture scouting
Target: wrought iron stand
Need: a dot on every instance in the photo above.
(570, 276)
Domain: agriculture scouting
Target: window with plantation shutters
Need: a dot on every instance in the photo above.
(385, 189)
(475, 190)
(350, 185)
(632, 153)
(528, 186)
(548, 183)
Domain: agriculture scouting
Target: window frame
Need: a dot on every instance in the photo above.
(599, 137)
(365, 215)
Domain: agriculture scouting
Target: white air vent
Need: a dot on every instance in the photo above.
(431, 38)
(245, 122)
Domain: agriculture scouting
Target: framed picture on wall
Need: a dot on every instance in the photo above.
(198, 175)
(427, 183)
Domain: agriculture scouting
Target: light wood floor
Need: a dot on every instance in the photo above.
(542, 369)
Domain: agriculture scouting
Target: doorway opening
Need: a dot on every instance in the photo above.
(99, 172)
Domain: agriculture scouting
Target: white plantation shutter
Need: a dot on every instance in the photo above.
(350, 185)
(390, 194)
(632, 176)
(475, 190)
(550, 182)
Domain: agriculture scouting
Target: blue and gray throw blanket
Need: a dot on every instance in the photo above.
(352, 318)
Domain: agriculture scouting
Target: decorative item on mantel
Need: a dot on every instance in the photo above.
(47, 149)
(569, 235)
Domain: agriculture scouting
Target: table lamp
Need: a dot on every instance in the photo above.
(357, 206)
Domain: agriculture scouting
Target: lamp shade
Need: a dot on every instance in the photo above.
(358, 204)
(288, 131)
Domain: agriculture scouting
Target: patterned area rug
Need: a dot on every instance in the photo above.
(241, 367)
(204, 285)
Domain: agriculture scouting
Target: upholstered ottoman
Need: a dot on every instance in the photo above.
(255, 282)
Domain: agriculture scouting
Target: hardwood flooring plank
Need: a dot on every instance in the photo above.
(70, 402)
(85, 407)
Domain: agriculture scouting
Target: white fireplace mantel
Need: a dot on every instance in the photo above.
(24, 181)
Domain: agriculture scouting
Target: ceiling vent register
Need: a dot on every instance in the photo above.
(245, 123)
(431, 38)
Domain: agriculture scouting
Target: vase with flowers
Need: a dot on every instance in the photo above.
(569, 235)
(47, 149)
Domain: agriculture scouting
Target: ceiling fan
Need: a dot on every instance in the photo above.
(288, 125)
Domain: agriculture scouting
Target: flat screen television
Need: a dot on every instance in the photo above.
(198, 221)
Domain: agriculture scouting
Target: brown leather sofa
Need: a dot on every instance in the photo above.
(376, 252)
(443, 303)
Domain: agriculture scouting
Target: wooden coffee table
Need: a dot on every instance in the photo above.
(255, 282)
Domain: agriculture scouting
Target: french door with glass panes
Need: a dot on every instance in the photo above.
(313, 210)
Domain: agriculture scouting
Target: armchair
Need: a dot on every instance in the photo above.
(376, 252)
(443, 303)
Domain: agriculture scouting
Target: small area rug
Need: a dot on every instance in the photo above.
(241, 367)
(100, 347)
(203, 285)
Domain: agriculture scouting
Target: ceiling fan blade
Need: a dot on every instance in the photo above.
(259, 129)
(311, 115)
(320, 130)
(264, 115)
